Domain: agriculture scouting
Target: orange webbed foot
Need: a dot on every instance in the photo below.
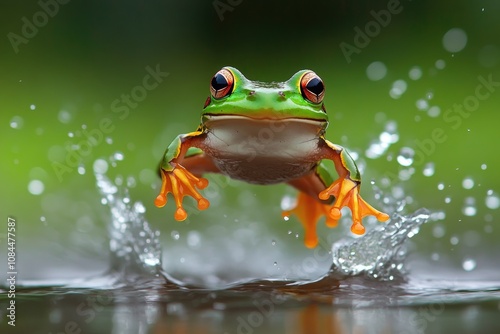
(309, 210)
(180, 182)
(346, 193)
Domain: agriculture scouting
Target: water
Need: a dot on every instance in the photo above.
(367, 289)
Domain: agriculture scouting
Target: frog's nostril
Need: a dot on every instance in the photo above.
(251, 93)
(280, 93)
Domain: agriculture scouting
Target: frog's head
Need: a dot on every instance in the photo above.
(300, 97)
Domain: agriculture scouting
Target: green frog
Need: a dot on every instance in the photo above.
(267, 133)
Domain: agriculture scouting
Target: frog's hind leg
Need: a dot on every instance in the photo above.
(309, 209)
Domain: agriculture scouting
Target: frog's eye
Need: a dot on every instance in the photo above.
(312, 87)
(222, 84)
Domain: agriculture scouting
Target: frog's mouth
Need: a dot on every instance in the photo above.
(263, 121)
(280, 134)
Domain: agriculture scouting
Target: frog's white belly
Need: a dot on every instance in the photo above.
(263, 151)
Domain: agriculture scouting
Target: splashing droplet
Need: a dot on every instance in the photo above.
(469, 264)
(16, 122)
(492, 201)
(469, 208)
(100, 166)
(36, 187)
(405, 157)
(440, 64)
(434, 111)
(376, 71)
(422, 104)
(468, 183)
(64, 116)
(454, 40)
(175, 235)
(193, 239)
(398, 88)
(415, 73)
(428, 169)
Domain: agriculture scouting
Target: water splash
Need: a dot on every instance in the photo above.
(134, 245)
(380, 253)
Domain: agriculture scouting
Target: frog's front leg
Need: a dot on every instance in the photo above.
(178, 169)
(345, 189)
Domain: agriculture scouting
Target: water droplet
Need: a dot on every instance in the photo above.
(435, 257)
(131, 182)
(428, 169)
(405, 157)
(288, 203)
(454, 240)
(422, 104)
(139, 207)
(100, 166)
(440, 186)
(447, 200)
(454, 40)
(36, 187)
(398, 89)
(492, 201)
(434, 111)
(440, 64)
(484, 166)
(109, 140)
(468, 183)
(118, 156)
(469, 208)
(193, 239)
(273, 243)
(376, 71)
(415, 73)
(175, 235)
(16, 122)
(438, 231)
(32, 107)
(469, 264)
(64, 116)
(275, 264)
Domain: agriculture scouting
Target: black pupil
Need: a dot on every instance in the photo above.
(219, 82)
(315, 86)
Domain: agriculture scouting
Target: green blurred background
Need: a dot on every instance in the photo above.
(91, 52)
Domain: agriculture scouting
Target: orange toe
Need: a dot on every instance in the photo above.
(180, 182)
(346, 193)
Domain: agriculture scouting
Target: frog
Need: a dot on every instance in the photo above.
(267, 133)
